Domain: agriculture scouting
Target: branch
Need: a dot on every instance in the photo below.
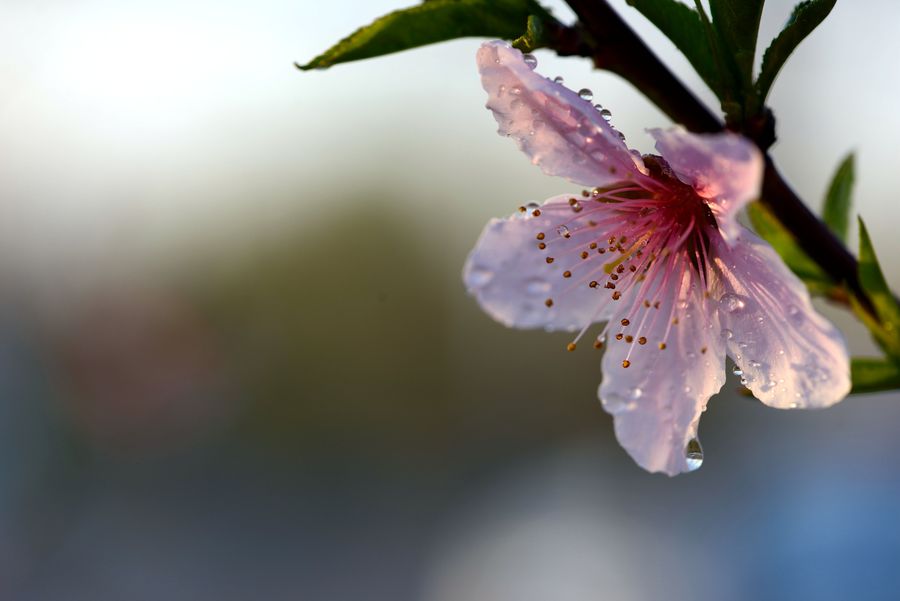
(614, 46)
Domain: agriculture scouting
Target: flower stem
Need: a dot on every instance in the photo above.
(614, 46)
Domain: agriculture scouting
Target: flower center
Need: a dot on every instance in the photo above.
(635, 242)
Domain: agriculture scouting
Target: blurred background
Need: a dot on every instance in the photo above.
(237, 360)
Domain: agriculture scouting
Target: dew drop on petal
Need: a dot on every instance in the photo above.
(693, 454)
(480, 276)
(732, 303)
(606, 114)
(737, 371)
(636, 393)
(529, 60)
(537, 287)
(562, 231)
(558, 79)
(585, 94)
(727, 334)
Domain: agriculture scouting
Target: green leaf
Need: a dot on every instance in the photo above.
(872, 375)
(886, 329)
(836, 211)
(430, 22)
(737, 23)
(533, 38)
(804, 19)
(683, 26)
(771, 230)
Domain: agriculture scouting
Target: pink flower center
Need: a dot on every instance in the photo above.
(632, 242)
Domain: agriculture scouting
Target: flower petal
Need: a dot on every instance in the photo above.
(560, 131)
(657, 399)
(724, 168)
(790, 355)
(535, 268)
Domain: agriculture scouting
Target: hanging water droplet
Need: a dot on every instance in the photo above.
(479, 276)
(598, 107)
(737, 371)
(585, 94)
(744, 381)
(537, 287)
(563, 231)
(693, 454)
(727, 334)
(732, 303)
(529, 60)
(558, 79)
(605, 113)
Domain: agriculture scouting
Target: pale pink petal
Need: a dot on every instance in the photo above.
(657, 400)
(509, 273)
(724, 168)
(561, 132)
(790, 355)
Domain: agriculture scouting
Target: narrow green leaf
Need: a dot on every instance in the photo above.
(873, 375)
(804, 19)
(887, 330)
(683, 26)
(770, 230)
(430, 22)
(836, 211)
(533, 38)
(737, 23)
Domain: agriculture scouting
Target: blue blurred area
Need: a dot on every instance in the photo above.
(237, 360)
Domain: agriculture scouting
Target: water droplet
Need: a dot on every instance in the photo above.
(563, 231)
(537, 287)
(515, 90)
(693, 454)
(737, 371)
(606, 113)
(727, 334)
(598, 107)
(732, 303)
(480, 276)
(501, 90)
(585, 94)
(616, 403)
(636, 393)
(529, 60)
(754, 363)
(688, 389)
(744, 381)
(558, 79)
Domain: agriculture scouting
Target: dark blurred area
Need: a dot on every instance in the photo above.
(237, 360)
(317, 420)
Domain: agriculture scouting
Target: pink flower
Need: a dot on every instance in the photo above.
(655, 251)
